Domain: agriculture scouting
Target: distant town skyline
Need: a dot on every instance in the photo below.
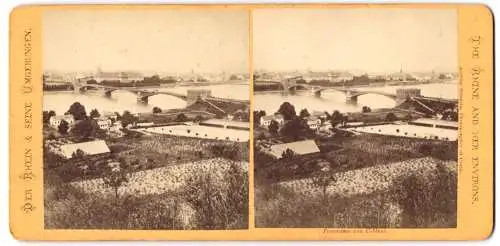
(154, 41)
(373, 40)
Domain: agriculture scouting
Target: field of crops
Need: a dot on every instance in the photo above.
(163, 179)
(369, 180)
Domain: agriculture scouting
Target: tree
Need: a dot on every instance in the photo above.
(295, 128)
(156, 110)
(366, 109)
(78, 154)
(128, 118)
(287, 110)
(273, 127)
(63, 127)
(181, 117)
(115, 178)
(47, 115)
(94, 114)
(85, 129)
(304, 113)
(322, 181)
(257, 115)
(288, 154)
(78, 111)
(391, 117)
(336, 118)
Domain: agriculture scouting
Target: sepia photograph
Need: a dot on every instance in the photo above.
(146, 119)
(355, 115)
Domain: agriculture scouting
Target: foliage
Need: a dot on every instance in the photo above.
(128, 118)
(295, 128)
(94, 114)
(86, 129)
(274, 127)
(257, 114)
(366, 109)
(304, 113)
(78, 154)
(287, 110)
(288, 154)
(78, 111)
(198, 118)
(47, 115)
(416, 195)
(156, 110)
(115, 178)
(181, 117)
(228, 151)
(337, 118)
(63, 127)
(391, 117)
(220, 207)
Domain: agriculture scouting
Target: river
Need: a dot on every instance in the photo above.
(122, 100)
(331, 100)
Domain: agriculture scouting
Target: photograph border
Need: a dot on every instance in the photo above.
(475, 185)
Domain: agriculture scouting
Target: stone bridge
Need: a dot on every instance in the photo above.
(351, 94)
(142, 93)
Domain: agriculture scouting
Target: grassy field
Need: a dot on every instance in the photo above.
(349, 153)
(203, 201)
(374, 181)
(172, 183)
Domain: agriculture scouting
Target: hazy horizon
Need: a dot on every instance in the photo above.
(163, 41)
(371, 40)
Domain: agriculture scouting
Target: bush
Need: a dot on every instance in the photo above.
(427, 201)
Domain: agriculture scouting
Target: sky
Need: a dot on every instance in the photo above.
(370, 40)
(170, 41)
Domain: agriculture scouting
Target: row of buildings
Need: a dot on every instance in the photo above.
(345, 76)
(316, 121)
(105, 122)
(131, 76)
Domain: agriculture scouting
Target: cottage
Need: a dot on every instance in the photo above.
(313, 123)
(89, 148)
(104, 123)
(299, 148)
(55, 121)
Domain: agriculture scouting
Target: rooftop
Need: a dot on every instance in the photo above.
(89, 148)
(300, 148)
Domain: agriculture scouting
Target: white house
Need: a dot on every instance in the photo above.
(104, 123)
(266, 120)
(313, 122)
(54, 121)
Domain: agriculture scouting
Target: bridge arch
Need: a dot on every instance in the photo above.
(352, 98)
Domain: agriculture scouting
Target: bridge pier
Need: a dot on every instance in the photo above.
(77, 89)
(142, 100)
(107, 94)
(351, 100)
